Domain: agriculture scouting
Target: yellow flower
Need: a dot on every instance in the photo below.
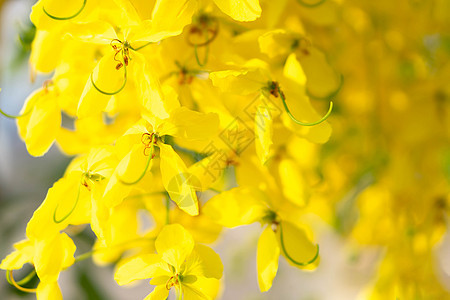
(49, 257)
(193, 270)
(149, 133)
(242, 206)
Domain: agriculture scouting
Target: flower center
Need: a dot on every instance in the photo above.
(173, 281)
(89, 177)
(121, 48)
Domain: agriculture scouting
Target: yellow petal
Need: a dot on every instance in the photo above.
(43, 125)
(204, 262)
(209, 170)
(322, 79)
(275, 43)
(156, 99)
(244, 11)
(293, 183)
(140, 267)
(193, 125)
(177, 181)
(263, 132)
(238, 206)
(174, 244)
(45, 50)
(48, 290)
(23, 254)
(96, 32)
(242, 82)
(169, 17)
(53, 255)
(267, 258)
(160, 292)
(202, 289)
(293, 70)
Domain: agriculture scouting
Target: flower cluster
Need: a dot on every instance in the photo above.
(171, 101)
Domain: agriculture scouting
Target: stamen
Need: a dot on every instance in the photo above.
(65, 18)
(146, 138)
(302, 264)
(45, 87)
(312, 4)
(47, 83)
(73, 207)
(210, 34)
(173, 281)
(11, 280)
(275, 90)
(141, 47)
(205, 58)
(118, 90)
(149, 141)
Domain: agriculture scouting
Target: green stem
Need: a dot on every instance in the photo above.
(302, 264)
(65, 18)
(283, 99)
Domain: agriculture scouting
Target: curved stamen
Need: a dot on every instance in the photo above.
(115, 92)
(330, 95)
(205, 58)
(310, 5)
(11, 280)
(71, 210)
(283, 99)
(214, 33)
(146, 138)
(115, 47)
(141, 47)
(65, 18)
(27, 278)
(283, 248)
(16, 116)
(115, 57)
(150, 157)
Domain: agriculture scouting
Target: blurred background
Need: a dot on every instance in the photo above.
(380, 210)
